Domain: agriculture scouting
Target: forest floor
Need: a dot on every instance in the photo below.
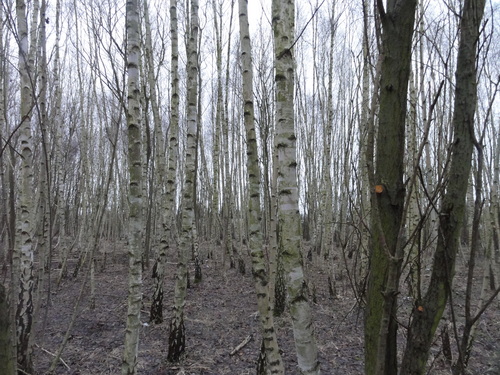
(220, 313)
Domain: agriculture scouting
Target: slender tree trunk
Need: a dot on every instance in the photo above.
(45, 225)
(325, 213)
(274, 363)
(429, 310)
(156, 313)
(216, 224)
(24, 243)
(494, 212)
(59, 200)
(363, 135)
(129, 365)
(228, 201)
(289, 228)
(198, 147)
(188, 240)
(5, 166)
(389, 196)
(174, 123)
(475, 244)
(8, 158)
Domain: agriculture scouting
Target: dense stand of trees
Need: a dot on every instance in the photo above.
(361, 137)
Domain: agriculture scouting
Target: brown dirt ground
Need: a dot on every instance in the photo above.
(220, 314)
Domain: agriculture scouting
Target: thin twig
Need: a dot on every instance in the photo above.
(53, 355)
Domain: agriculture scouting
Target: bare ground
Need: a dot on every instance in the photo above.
(221, 312)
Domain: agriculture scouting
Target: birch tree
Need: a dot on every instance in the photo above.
(228, 196)
(156, 314)
(188, 235)
(289, 228)
(59, 198)
(169, 232)
(273, 361)
(23, 254)
(45, 217)
(7, 215)
(216, 220)
(326, 217)
(130, 354)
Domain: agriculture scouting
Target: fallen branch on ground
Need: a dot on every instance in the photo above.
(53, 355)
(241, 345)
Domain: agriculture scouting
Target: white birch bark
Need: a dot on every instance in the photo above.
(188, 240)
(7, 360)
(23, 252)
(129, 365)
(156, 314)
(60, 219)
(216, 224)
(274, 363)
(326, 188)
(413, 217)
(283, 16)
(173, 143)
(228, 198)
(3, 164)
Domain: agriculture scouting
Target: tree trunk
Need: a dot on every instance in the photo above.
(188, 237)
(129, 365)
(428, 311)
(59, 200)
(289, 228)
(164, 175)
(388, 199)
(24, 243)
(216, 223)
(274, 363)
(364, 126)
